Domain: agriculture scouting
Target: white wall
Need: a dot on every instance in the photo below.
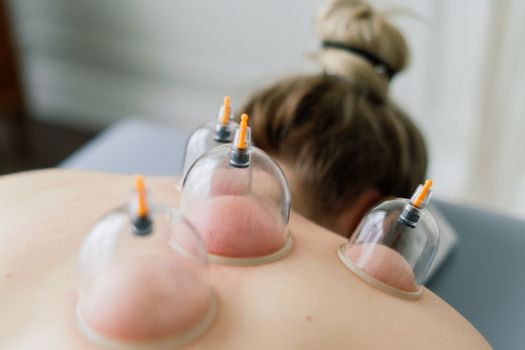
(441, 87)
(90, 63)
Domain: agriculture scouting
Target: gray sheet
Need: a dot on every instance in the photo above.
(133, 146)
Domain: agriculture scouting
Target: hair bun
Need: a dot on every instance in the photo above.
(362, 10)
(356, 24)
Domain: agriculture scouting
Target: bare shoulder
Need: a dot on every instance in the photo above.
(309, 300)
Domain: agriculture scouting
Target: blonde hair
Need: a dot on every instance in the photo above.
(339, 131)
(357, 25)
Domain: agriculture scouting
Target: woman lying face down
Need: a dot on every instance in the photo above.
(305, 300)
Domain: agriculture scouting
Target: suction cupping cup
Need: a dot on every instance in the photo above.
(241, 211)
(142, 290)
(209, 135)
(391, 253)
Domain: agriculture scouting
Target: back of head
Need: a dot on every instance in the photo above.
(338, 131)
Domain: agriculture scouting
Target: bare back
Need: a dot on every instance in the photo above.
(308, 300)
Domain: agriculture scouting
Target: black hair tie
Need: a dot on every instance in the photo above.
(379, 65)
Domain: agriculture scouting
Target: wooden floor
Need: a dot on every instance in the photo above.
(43, 146)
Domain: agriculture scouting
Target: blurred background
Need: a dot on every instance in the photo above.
(70, 69)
